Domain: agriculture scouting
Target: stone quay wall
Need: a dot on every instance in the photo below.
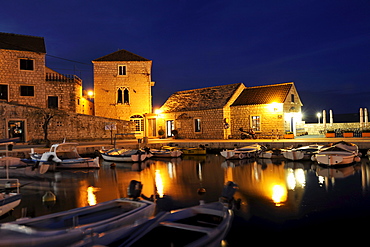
(72, 126)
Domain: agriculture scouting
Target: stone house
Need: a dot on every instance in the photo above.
(122, 85)
(28, 87)
(270, 110)
(219, 112)
(199, 113)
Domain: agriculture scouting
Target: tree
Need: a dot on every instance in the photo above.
(47, 114)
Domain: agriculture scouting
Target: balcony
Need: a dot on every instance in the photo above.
(62, 78)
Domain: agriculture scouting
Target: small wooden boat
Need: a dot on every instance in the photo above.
(267, 153)
(202, 225)
(201, 150)
(163, 153)
(9, 199)
(242, 153)
(337, 154)
(301, 153)
(126, 155)
(65, 156)
(100, 224)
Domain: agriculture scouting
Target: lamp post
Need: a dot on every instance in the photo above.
(318, 117)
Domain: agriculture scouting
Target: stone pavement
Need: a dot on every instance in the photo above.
(21, 150)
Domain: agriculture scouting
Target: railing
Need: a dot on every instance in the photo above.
(62, 78)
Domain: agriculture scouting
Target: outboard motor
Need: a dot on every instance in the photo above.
(228, 192)
(134, 189)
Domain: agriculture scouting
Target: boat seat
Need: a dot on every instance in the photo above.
(186, 227)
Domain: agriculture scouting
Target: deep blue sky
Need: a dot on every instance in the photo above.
(323, 46)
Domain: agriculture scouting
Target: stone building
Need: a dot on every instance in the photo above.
(199, 113)
(28, 89)
(219, 112)
(122, 85)
(268, 110)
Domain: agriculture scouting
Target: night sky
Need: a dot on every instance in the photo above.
(323, 46)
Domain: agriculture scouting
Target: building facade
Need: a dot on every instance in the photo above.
(122, 85)
(28, 90)
(219, 112)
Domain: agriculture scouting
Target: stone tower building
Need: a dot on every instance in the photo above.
(122, 85)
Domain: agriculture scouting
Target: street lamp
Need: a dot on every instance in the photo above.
(318, 117)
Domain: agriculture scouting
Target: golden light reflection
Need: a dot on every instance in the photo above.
(91, 197)
(279, 194)
(159, 183)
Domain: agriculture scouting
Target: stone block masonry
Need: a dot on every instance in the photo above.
(72, 126)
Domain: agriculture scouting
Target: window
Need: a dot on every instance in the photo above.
(292, 97)
(123, 96)
(53, 102)
(4, 92)
(256, 123)
(27, 90)
(139, 122)
(122, 70)
(197, 125)
(26, 64)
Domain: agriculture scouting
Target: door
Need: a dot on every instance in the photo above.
(16, 129)
(169, 127)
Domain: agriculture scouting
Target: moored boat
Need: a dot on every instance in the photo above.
(337, 154)
(301, 153)
(100, 224)
(163, 153)
(201, 150)
(243, 152)
(8, 198)
(64, 156)
(126, 155)
(204, 225)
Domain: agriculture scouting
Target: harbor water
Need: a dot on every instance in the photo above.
(278, 197)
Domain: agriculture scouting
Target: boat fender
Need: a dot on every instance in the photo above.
(249, 155)
(357, 159)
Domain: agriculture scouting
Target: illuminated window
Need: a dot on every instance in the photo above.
(26, 64)
(122, 70)
(139, 122)
(256, 123)
(197, 126)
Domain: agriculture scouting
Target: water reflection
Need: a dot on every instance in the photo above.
(274, 190)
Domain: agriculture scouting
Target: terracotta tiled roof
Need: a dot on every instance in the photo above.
(10, 41)
(121, 55)
(200, 99)
(264, 94)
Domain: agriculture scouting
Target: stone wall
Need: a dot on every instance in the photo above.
(318, 129)
(137, 81)
(72, 126)
(211, 123)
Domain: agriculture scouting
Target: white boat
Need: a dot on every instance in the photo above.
(301, 153)
(100, 224)
(242, 153)
(126, 155)
(9, 199)
(202, 225)
(165, 153)
(65, 155)
(338, 153)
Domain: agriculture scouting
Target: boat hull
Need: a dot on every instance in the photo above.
(93, 225)
(334, 159)
(203, 225)
(9, 202)
(122, 158)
